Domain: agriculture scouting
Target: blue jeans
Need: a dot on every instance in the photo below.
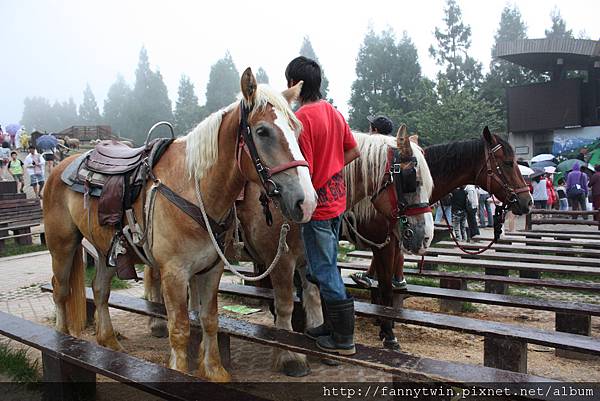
(439, 218)
(321, 246)
(483, 208)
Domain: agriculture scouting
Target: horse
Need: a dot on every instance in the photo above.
(363, 178)
(254, 139)
(488, 161)
(72, 143)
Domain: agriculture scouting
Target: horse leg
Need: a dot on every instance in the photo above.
(210, 366)
(64, 266)
(311, 300)
(153, 292)
(282, 278)
(175, 285)
(105, 334)
(385, 261)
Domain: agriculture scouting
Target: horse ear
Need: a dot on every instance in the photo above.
(291, 94)
(248, 84)
(414, 139)
(402, 141)
(487, 135)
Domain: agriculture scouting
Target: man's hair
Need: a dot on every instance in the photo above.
(307, 70)
(13, 153)
(31, 147)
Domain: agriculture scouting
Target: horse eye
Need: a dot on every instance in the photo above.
(262, 131)
(508, 163)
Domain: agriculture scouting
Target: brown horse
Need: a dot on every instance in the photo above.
(208, 161)
(488, 162)
(363, 179)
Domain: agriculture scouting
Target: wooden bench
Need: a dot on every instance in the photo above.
(529, 249)
(400, 365)
(566, 235)
(18, 216)
(563, 217)
(70, 366)
(505, 345)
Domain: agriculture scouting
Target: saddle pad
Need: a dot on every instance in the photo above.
(102, 164)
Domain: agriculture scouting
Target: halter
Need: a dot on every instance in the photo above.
(494, 172)
(404, 181)
(245, 142)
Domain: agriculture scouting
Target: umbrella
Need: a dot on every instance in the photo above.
(537, 173)
(550, 169)
(525, 170)
(12, 128)
(542, 164)
(46, 142)
(542, 158)
(595, 157)
(567, 165)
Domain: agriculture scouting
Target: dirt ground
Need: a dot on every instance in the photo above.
(252, 362)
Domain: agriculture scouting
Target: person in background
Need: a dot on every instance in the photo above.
(582, 154)
(34, 164)
(460, 204)
(577, 189)
(561, 192)
(594, 184)
(380, 125)
(485, 208)
(4, 158)
(15, 168)
(539, 192)
(552, 196)
(472, 207)
(327, 145)
(444, 207)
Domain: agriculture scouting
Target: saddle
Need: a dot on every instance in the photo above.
(116, 174)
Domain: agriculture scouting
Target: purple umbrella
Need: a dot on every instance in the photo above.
(12, 128)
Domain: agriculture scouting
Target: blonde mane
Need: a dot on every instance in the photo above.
(202, 143)
(372, 163)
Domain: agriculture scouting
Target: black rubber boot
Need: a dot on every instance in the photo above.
(340, 315)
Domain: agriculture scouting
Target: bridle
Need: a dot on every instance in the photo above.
(245, 142)
(405, 182)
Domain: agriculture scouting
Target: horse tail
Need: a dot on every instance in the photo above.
(75, 302)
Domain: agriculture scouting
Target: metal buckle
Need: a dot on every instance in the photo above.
(259, 167)
(396, 168)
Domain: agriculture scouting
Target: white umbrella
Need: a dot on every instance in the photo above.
(542, 157)
(525, 170)
(550, 169)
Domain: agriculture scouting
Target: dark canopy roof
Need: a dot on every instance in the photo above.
(542, 54)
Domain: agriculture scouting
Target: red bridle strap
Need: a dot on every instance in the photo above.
(287, 166)
(417, 210)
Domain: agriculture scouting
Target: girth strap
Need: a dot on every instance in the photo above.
(194, 212)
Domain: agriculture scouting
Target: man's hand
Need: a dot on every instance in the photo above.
(350, 155)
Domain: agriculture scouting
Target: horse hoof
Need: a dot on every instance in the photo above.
(159, 331)
(391, 344)
(330, 362)
(295, 368)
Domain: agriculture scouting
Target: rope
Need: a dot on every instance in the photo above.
(238, 245)
(360, 237)
(281, 248)
(456, 241)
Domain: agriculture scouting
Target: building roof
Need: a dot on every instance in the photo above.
(542, 54)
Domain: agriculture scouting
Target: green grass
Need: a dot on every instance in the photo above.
(469, 307)
(115, 284)
(16, 364)
(11, 248)
(522, 293)
(343, 250)
(426, 281)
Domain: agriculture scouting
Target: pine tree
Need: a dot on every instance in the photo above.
(558, 30)
(223, 84)
(117, 107)
(150, 100)
(88, 110)
(387, 75)
(451, 51)
(261, 76)
(307, 51)
(37, 114)
(187, 110)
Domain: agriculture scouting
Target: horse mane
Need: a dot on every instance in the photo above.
(447, 158)
(373, 161)
(202, 143)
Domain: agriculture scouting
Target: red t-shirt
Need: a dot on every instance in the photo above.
(324, 139)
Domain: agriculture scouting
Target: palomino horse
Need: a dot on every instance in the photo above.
(363, 179)
(488, 162)
(213, 161)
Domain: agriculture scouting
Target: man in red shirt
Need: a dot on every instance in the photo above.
(327, 145)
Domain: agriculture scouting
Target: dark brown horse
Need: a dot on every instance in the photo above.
(488, 162)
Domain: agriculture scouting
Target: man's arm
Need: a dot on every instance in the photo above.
(351, 154)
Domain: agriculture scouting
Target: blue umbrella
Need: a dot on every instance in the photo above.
(542, 164)
(13, 128)
(46, 142)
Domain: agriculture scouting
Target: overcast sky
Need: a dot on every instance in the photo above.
(53, 48)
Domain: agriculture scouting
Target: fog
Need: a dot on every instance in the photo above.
(53, 48)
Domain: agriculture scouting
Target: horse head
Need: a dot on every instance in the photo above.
(501, 176)
(405, 194)
(268, 151)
